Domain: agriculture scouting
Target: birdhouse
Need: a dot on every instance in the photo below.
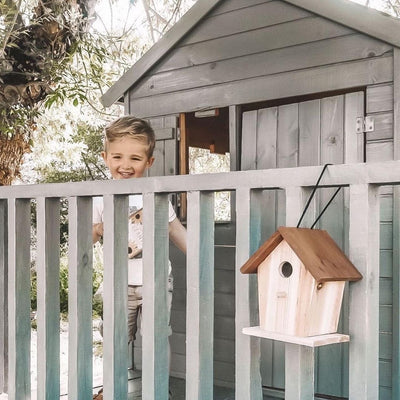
(301, 277)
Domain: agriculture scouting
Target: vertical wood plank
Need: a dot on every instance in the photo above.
(309, 133)
(19, 274)
(235, 127)
(200, 296)
(80, 273)
(115, 306)
(299, 360)
(299, 372)
(396, 230)
(155, 312)
(364, 295)
(48, 298)
(3, 297)
(249, 141)
(247, 348)
(353, 141)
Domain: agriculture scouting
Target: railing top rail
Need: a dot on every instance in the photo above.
(382, 173)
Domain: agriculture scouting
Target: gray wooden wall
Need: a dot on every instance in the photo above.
(247, 51)
(380, 147)
(254, 50)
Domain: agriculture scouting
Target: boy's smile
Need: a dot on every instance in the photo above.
(127, 158)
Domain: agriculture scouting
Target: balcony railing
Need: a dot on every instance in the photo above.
(363, 180)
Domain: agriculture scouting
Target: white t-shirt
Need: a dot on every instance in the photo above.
(135, 234)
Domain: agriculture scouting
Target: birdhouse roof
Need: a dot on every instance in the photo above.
(319, 253)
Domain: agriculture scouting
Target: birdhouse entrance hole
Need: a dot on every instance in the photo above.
(286, 269)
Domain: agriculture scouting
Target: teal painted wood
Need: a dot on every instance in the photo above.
(3, 297)
(115, 278)
(247, 348)
(396, 231)
(364, 295)
(80, 272)
(19, 334)
(299, 360)
(200, 296)
(48, 299)
(155, 314)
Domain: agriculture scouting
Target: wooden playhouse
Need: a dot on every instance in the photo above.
(301, 277)
(296, 83)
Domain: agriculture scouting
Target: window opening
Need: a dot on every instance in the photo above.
(203, 161)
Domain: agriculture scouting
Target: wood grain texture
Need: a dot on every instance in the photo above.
(80, 271)
(48, 299)
(115, 298)
(3, 297)
(301, 82)
(19, 222)
(264, 62)
(247, 350)
(364, 295)
(155, 313)
(200, 296)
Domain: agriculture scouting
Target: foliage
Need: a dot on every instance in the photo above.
(97, 279)
(37, 39)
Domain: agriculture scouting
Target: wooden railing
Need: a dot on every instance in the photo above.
(363, 181)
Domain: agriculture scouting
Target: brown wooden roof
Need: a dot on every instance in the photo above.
(319, 253)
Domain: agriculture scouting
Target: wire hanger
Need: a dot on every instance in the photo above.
(311, 197)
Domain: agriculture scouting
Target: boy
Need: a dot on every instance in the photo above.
(128, 153)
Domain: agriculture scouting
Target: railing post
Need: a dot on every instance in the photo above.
(3, 297)
(247, 348)
(200, 296)
(80, 272)
(19, 285)
(115, 306)
(48, 298)
(155, 369)
(299, 360)
(364, 295)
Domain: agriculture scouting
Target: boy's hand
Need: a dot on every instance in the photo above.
(98, 228)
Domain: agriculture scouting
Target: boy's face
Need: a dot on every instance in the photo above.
(127, 158)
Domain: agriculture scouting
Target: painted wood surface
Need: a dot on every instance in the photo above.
(265, 62)
(115, 276)
(309, 341)
(311, 132)
(19, 334)
(200, 297)
(288, 84)
(155, 320)
(3, 297)
(80, 271)
(247, 349)
(364, 296)
(395, 381)
(48, 299)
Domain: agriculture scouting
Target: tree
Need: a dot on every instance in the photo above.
(68, 137)
(37, 40)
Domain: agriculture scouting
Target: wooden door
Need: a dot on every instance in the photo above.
(308, 133)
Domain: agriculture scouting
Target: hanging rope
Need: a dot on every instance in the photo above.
(312, 195)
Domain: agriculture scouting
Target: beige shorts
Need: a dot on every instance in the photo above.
(135, 302)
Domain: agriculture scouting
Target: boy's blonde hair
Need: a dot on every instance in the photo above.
(133, 127)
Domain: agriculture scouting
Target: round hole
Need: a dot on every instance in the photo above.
(286, 269)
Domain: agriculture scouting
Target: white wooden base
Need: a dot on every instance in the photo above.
(310, 341)
(299, 359)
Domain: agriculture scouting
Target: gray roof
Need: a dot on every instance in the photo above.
(355, 16)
